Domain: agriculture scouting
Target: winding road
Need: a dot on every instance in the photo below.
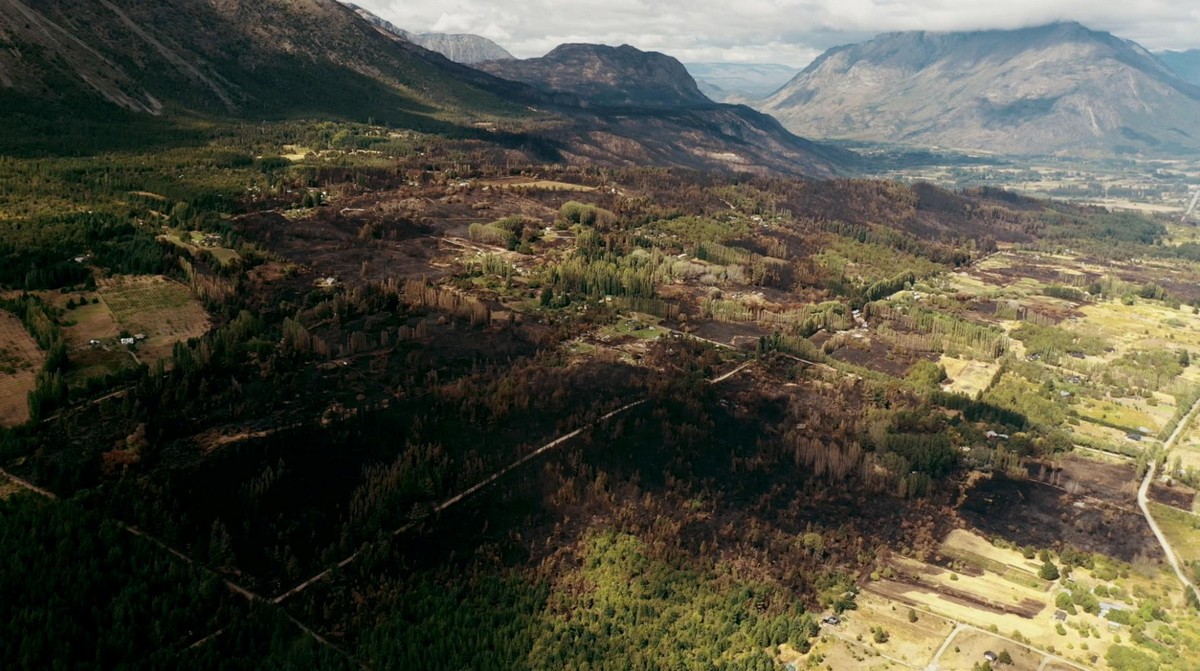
(1144, 503)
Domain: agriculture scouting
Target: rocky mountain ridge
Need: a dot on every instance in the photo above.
(1055, 89)
(462, 48)
(607, 76)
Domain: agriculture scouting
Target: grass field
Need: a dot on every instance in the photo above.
(910, 642)
(1129, 414)
(161, 309)
(87, 322)
(974, 550)
(832, 652)
(1181, 528)
(20, 360)
(642, 329)
(968, 647)
(966, 376)
(539, 184)
(92, 321)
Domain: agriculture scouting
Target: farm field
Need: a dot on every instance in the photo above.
(912, 639)
(1182, 528)
(20, 360)
(997, 602)
(161, 309)
(968, 647)
(538, 184)
(967, 376)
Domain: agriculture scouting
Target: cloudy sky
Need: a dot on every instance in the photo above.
(791, 32)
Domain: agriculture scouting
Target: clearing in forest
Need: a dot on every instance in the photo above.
(196, 241)
(966, 376)
(20, 360)
(161, 309)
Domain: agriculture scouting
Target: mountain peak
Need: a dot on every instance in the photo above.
(607, 76)
(1059, 88)
(458, 47)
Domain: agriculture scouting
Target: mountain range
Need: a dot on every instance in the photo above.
(1186, 64)
(625, 88)
(1055, 89)
(458, 47)
(66, 61)
(740, 82)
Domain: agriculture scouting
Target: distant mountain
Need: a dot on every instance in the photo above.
(466, 49)
(1185, 64)
(740, 81)
(1056, 89)
(607, 76)
(626, 88)
(460, 48)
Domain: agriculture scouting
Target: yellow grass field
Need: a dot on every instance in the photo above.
(539, 184)
(966, 376)
(1183, 530)
(20, 360)
(968, 647)
(910, 642)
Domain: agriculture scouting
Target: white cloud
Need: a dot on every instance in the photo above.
(772, 31)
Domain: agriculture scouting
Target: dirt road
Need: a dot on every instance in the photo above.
(477, 487)
(1144, 503)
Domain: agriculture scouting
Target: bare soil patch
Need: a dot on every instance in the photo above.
(1174, 495)
(877, 356)
(1115, 483)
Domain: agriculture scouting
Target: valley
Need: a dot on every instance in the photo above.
(574, 316)
(322, 350)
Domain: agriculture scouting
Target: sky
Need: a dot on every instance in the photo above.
(790, 32)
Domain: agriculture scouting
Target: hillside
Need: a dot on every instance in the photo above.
(272, 59)
(70, 64)
(1056, 89)
(1185, 64)
(643, 107)
(460, 48)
